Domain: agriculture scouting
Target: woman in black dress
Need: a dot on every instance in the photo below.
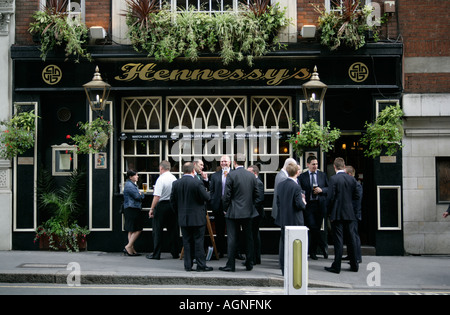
(132, 211)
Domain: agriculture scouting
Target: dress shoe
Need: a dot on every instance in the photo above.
(226, 269)
(126, 253)
(331, 269)
(354, 268)
(249, 267)
(188, 269)
(151, 256)
(206, 268)
(313, 257)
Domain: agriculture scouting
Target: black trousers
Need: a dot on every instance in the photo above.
(338, 227)
(233, 228)
(165, 217)
(193, 242)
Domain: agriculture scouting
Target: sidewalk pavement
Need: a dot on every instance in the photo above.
(382, 272)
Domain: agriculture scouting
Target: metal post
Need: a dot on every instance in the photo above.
(296, 260)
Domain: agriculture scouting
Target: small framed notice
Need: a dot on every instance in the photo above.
(64, 159)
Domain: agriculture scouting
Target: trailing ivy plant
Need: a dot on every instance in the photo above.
(236, 36)
(385, 134)
(348, 28)
(312, 135)
(56, 28)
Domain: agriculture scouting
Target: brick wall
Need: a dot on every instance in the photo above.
(97, 14)
(424, 27)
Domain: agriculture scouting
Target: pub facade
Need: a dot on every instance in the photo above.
(183, 110)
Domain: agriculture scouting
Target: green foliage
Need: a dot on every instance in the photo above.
(58, 29)
(18, 135)
(95, 137)
(312, 135)
(235, 35)
(386, 133)
(348, 28)
(63, 203)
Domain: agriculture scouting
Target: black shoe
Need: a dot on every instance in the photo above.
(354, 268)
(331, 269)
(126, 253)
(248, 267)
(188, 269)
(313, 257)
(206, 268)
(151, 256)
(226, 269)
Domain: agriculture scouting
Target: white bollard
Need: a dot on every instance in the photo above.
(296, 260)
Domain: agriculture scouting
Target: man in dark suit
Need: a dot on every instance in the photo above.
(315, 184)
(350, 170)
(341, 193)
(241, 194)
(290, 206)
(188, 198)
(256, 221)
(216, 191)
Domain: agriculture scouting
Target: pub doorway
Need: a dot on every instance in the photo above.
(349, 112)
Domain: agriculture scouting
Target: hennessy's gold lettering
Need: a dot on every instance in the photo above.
(148, 72)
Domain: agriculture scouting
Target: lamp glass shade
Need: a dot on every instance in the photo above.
(97, 92)
(314, 91)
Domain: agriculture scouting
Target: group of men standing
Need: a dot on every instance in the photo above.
(308, 198)
(236, 198)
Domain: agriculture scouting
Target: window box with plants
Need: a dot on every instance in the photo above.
(56, 29)
(349, 26)
(236, 35)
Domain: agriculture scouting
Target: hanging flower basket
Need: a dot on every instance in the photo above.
(95, 138)
(312, 135)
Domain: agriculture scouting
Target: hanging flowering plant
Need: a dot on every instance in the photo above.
(95, 137)
(312, 135)
(18, 135)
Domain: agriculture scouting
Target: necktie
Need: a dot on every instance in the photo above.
(224, 179)
(313, 184)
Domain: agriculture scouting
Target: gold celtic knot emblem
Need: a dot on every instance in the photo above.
(358, 72)
(51, 74)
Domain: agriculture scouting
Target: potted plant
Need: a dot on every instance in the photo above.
(347, 28)
(95, 137)
(312, 135)
(56, 28)
(61, 230)
(248, 33)
(18, 135)
(385, 134)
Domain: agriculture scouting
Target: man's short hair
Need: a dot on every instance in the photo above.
(311, 158)
(165, 165)
(188, 167)
(350, 170)
(255, 169)
(291, 169)
(239, 158)
(339, 163)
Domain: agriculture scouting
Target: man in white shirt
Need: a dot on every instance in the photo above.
(162, 213)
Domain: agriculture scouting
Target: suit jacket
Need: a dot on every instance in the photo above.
(241, 194)
(341, 193)
(260, 206)
(315, 219)
(358, 203)
(281, 176)
(290, 204)
(188, 198)
(215, 192)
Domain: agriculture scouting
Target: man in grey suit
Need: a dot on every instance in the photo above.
(291, 205)
(281, 176)
(241, 195)
(188, 198)
(341, 193)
